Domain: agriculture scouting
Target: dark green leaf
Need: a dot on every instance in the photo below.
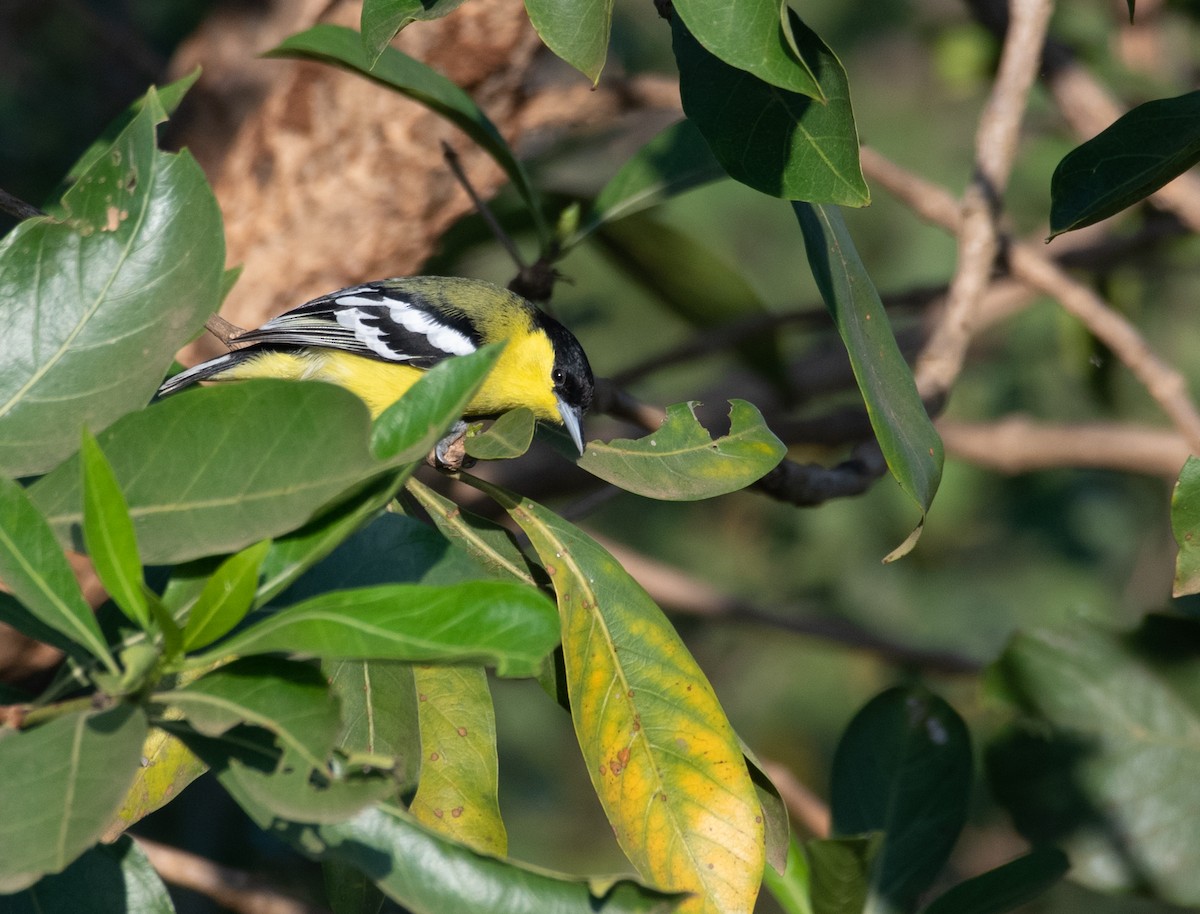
(1185, 522)
(382, 20)
(33, 567)
(211, 470)
(292, 700)
(840, 873)
(1006, 887)
(379, 714)
(675, 161)
(95, 306)
(63, 781)
(575, 30)
(909, 442)
(408, 429)
(349, 890)
(778, 142)
(507, 625)
(344, 47)
(1125, 163)
(226, 598)
(695, 283)
(508, 437)
(109, 536)
(1109, 766)
(755, 36)
(411, 865)
(903, 767)
(682, 462)
(112, 877)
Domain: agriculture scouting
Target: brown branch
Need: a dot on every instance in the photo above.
(1019, 444)
(978, 236)
(236, 890)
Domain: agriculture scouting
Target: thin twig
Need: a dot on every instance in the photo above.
(455, 165)
(235, 890)
(15, 206)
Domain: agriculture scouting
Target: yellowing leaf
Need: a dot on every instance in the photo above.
(168, 766)
(457, 795)
(661, 755)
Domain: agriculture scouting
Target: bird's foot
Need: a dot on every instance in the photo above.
(450, 454)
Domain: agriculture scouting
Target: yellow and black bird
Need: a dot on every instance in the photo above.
(377, 338)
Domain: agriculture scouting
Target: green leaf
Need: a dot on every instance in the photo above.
(774, 810)
(109, 536)
(167, 767)
(694, 283)
(1185, 523)
(63, 781)
(382, 20)
(840, 873)
(458, 793)
(575, 30)
(1016, 883)
(792, 888)
(292, 700)
(410, 864)
(96, 305)
(676, 160)
(910, 443)
(779, 142)
(682, 462)
(34, 568)
(488, 542)
(408, 429)
(226, 598)
(756, 36)
(112, 877)
(1109, 763)
(903, 767)
(1126, 162)
(507, 625)
(379, 714)
(212, 470)
(344, 47)
(349, 891)
(508, 437)
(654, 737)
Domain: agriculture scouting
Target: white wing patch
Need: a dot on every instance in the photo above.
(361, 314)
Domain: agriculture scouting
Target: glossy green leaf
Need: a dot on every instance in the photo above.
(840, 873)
(693, 282)
(408, 429)
(167, 767)
(490, 544)
(95, 305)
(508, 437)
(382, 20)
(1185, 523)
(910, 443)
(1109, 765)
(410, 864)
(662, 757)
(379, 714)
(458, 794)
(33, 567)
(1016, 883)
(212, 470)
(779, 142)
(792, 888)
(112, 877)
(109, 536)
(1126, 162)
(676, 160)
(344, 47)
(682, 462)
(227, 596)
(755, 36)
(575, 30)
(63, 781)
(506, 625)
(292, 700)
(903, 767)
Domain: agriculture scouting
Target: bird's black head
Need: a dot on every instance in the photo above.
(572, 377)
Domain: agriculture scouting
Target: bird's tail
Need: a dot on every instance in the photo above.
(205, 371)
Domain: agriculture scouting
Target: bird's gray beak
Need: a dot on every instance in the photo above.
(572, 421)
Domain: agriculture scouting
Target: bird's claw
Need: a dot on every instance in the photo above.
(450, 454)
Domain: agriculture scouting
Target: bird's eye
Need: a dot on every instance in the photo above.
(558, 376)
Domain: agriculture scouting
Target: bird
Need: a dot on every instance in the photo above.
(377, 338)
